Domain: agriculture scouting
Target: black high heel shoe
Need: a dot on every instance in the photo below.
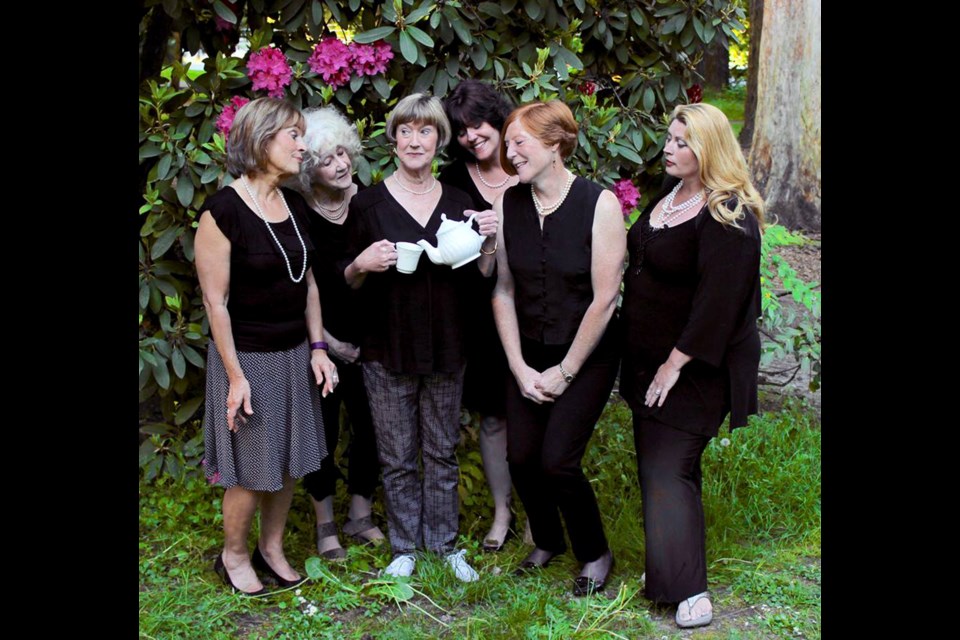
(221, 570)
(586, 586)
(491, 545)
(538, 559)
(260, 563)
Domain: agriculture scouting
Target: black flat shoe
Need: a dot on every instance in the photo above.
(586, 586)
(529, 564)
(221, 570)
(260, 563)
(492, 545)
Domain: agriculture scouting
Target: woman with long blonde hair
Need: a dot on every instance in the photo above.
(692, 348)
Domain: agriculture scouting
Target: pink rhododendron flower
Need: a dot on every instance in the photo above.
(215, 478)
(695, 93)
(372, 59)
(331, 59)
(269, 70)
(588, 88)
(225, 119)
(627, 194)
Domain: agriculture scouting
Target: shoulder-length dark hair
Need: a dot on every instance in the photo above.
(470, 104)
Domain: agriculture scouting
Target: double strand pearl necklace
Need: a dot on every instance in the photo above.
(409, 190)
(331, 214)
(669, 213)
(542, 210)
(256, 204)
(487, 184)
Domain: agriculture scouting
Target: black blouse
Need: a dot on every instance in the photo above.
(551, 268)
(410, 323)
(338, 302)
(696, 287)
(267, 309)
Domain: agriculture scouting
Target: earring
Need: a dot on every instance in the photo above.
(554, 159)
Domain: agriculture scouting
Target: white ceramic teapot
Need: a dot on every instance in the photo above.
(457, 243)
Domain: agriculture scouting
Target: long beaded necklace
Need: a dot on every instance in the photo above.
(668, 212)
(331, 214)
(274, 236)
(416, 193)
(487, 184)
(542, 210)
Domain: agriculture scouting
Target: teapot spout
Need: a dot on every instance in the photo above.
(432, 252)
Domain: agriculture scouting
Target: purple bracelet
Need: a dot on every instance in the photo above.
(319, 345)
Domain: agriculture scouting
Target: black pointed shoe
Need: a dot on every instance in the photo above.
(221, 570)
(260, 563)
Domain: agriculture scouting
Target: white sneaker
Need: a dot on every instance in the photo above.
(463, 571)
(401, 566)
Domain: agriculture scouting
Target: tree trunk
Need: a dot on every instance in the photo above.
(785, 150)
(750, 108)
(715, 66)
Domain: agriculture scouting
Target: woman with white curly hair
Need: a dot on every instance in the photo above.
(326, 181)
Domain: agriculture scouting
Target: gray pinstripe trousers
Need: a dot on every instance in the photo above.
(414, 414)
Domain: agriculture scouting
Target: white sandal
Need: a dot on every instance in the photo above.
(700, 621)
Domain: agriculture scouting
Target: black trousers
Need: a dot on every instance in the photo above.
(668, 464)
(546, 443)
(364, 467)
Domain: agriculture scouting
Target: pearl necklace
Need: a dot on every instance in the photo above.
(487, 184)
(256, 204)
(416, 193)
(668, 212)
(542, 210)
(335, 213)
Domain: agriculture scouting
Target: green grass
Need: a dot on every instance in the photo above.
(761, 497)
(731, 101)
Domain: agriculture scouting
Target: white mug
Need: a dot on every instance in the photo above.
(408, 257)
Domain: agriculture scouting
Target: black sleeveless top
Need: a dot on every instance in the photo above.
(267, 309)
(551, 270)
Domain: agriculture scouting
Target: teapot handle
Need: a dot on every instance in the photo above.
(470, 219)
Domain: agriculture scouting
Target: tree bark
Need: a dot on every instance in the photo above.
(750, 108)
(715, 66)
(785, 149)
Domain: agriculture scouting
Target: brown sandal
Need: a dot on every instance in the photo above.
(327, 530)
(354, 529)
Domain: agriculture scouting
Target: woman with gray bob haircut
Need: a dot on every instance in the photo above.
(413, 344)
(326, 181)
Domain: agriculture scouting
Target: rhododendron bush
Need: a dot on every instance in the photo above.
(621, 65)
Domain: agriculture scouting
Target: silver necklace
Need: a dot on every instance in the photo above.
(273, 235)
(542, 210)
(487, 184)
(416, 193)
(335, 213)
(668, 212)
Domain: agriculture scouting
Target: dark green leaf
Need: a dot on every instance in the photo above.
(149, 151)
(435, 20)
(173, 467)
(211, 173)
(425, 81)
(381, 85)
(186, 410)
(373, 35)
(164, 242)
(147, 357)
(581, 5)
(334, 7)
(569, 57)
(186, 240)
(479, 57)
(637, 16)
(418, 13)
(152, 470)
(224, 12)
(533, 9)
(649, 99)
(163, 166)
(146, 452)
(354, 5)
(462, 32)
(184, 189)
(156, 429)
(698, 27)
(671, 88)
(453, 67)
(708, 32)
(355, 83)
(420, 36)
(629, 154)
(507, 6)
(161, 374)
(440, 84)
(408, 47)
(491, 9)
(668, 10)
(687, 36)
(144, 295)
(316, 12)
(166, 288)
(498, 68)
(192, 356)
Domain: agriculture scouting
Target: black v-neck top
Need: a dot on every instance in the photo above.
(410, 323)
